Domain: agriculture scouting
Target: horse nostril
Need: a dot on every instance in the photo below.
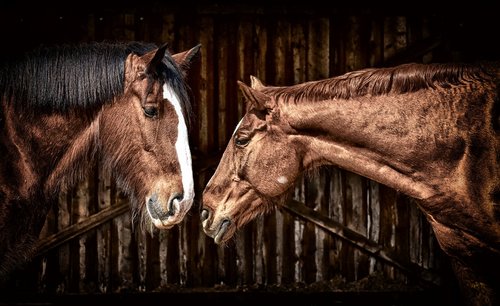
(175, 199)
(204, 214)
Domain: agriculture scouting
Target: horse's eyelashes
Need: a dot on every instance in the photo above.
(150, 111)
(241, 142)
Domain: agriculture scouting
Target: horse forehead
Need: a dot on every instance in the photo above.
(171, 96)
(250, 121)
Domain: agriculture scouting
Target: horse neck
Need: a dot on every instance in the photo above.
(54, 148)
(376, 137)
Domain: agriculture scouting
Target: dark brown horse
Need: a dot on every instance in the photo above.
(64, 106)
(429, 131)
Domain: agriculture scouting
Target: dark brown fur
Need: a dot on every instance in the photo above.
(46, 146)
(429, 131)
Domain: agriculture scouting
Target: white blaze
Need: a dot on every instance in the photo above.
(181, 145)
(239, 123)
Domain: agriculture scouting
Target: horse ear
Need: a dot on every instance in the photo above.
(255, 98)
(256, 83)
(184, 59)
(156, 60)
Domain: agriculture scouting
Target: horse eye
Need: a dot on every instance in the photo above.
(150, 111)
(242, 142)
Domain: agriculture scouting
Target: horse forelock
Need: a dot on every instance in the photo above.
(379, 81)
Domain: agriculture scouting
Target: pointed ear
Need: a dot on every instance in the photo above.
(185, 58)
(255, 98)
(156, 60)
(256, 83)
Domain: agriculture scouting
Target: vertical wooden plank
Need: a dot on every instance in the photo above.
(91, 269)
(173, 257)
(168, 28)
(402, 230)
(261, 50)
(376, 56)
(162, 257)
(395, 38)
(387, 222)
(80, 212)
(124, 245)
(300, 196)
(63, 221)
(206, 125)
(221, 79)
(104, 233)
(152, 269)
(359, 221)
(373, 222)
(415, 239)
(299, 51)
(318, 49)
(336, 213)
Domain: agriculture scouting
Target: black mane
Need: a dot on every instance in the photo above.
(58, 78)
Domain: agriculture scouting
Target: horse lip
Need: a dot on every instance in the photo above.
(222, 231)
(151, 206)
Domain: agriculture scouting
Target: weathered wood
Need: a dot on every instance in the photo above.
(77, 229)
(355, 239)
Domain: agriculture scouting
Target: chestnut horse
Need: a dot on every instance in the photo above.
(65, 106)
(430, 131)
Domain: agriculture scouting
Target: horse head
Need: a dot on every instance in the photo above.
(260, 163)
(144, 136)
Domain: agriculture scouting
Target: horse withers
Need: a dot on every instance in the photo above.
(64, 106)
(429, 131)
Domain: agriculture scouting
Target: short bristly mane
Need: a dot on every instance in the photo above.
(378, 81)
(58, 78)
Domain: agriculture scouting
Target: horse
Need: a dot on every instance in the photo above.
(430, 131)
(125, 104)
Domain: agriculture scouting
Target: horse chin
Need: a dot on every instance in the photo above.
(163, 224)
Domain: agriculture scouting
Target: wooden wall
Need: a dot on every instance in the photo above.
(338, 226)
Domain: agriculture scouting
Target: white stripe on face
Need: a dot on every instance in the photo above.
(181, 145)
(239, 123)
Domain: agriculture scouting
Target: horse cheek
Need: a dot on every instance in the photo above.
(288, 170)
(281, 172)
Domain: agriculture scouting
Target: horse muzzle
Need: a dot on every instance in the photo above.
(166, 216)
(220, 231)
